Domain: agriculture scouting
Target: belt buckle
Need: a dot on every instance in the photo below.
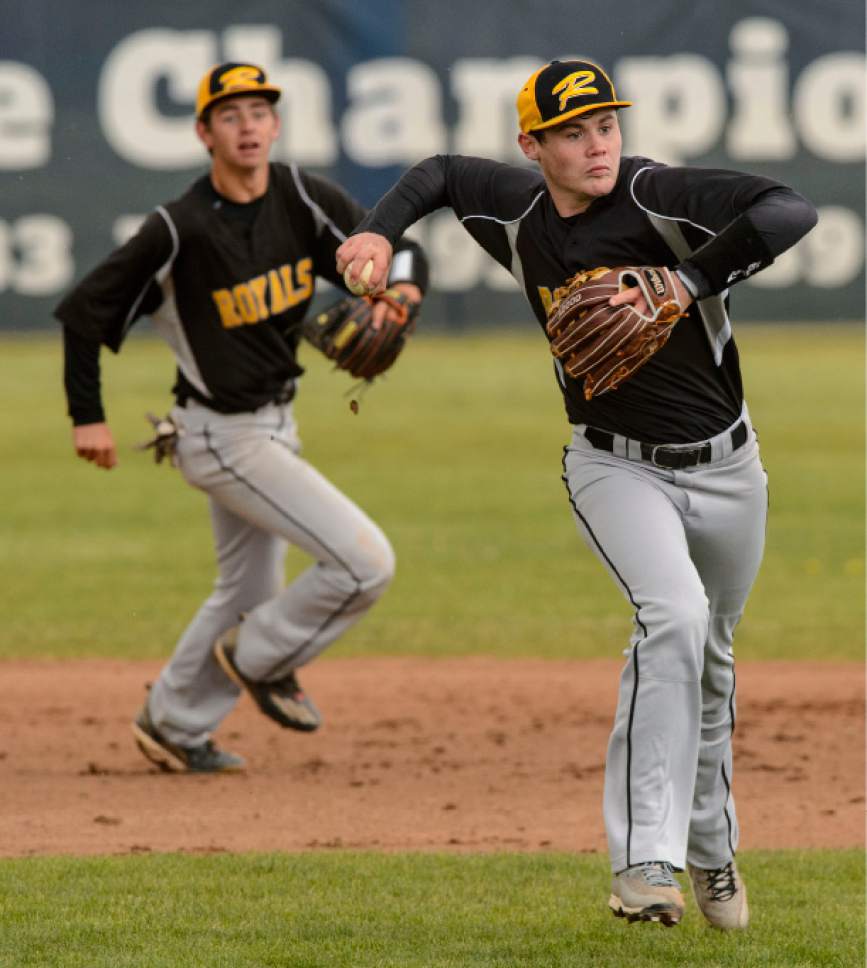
(677, 459)
(661, 449)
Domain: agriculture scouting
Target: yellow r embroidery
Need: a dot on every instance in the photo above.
(239, 77)
(574, 86)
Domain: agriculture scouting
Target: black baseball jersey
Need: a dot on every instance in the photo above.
(226, 285)
(656, 215)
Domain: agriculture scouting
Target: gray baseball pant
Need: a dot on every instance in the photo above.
(684, 547)
(262, 497)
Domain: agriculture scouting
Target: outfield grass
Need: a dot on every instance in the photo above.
(457, 454)
(421, 911)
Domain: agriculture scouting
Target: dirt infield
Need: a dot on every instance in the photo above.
(416, 754)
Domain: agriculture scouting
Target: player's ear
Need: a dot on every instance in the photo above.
(529, 145)
(203, 131)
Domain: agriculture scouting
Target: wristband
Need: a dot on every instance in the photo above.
(736, 253)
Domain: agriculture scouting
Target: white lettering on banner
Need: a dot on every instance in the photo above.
(680, 107)
(458, 263)
(829, 106)
(758, 78)
(308, 134)
(455, 257)
(831, 255)
(26, 116)
(784, 271)
(130, 118)
(485, 89)
(499, 278)
(834, 249)
(35, 255)
(125, 227)
(6, 266)
(395, 114)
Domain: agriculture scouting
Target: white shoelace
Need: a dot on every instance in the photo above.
(657, 874)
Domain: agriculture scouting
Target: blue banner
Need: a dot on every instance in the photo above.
(96, 119)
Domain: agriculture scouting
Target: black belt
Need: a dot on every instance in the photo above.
(662, 455)
(183, 396)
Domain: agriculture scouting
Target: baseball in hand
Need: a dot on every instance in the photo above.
(360, 288)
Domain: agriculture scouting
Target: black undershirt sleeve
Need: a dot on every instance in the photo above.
(420, 191)
(782, 216)
(346, 213)
(774, 222)
(81, 378)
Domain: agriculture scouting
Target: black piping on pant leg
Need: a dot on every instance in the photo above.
(356, 591)
(270, 501)
(635, 663)
(725, 778)
(286, 665)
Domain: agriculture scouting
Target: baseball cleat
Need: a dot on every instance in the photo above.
(206, 758)
(721, 896)
(647, 892)
(283, 700)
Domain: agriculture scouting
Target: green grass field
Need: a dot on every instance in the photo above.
(457, 455)
(345, 910)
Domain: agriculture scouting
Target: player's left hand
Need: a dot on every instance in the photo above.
(364, 335)
(386, 312)
(605, 324)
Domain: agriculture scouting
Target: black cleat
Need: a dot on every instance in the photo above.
(283, 700)
(206, 758)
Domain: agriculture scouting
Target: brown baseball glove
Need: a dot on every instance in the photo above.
(606, 344)
(164, 442)
(346, 332)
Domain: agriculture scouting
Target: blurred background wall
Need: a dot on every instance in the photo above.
(96, 113)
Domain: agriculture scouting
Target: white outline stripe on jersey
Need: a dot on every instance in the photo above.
(717, 325)
(511, 228)
(318, 213)
(176, 242)
(166, 318)
(517, 269)
(160, 274)
(509, 221)
(670, 218)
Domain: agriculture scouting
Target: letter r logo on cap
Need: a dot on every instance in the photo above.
(240, 76)
(575, 85)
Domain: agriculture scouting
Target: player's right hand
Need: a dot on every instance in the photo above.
(364, 247)
(94, 442)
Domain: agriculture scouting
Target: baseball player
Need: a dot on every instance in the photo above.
(227, 273)
(662, 472)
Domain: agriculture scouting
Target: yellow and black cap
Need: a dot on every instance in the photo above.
(562, 90)
(230, 80)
